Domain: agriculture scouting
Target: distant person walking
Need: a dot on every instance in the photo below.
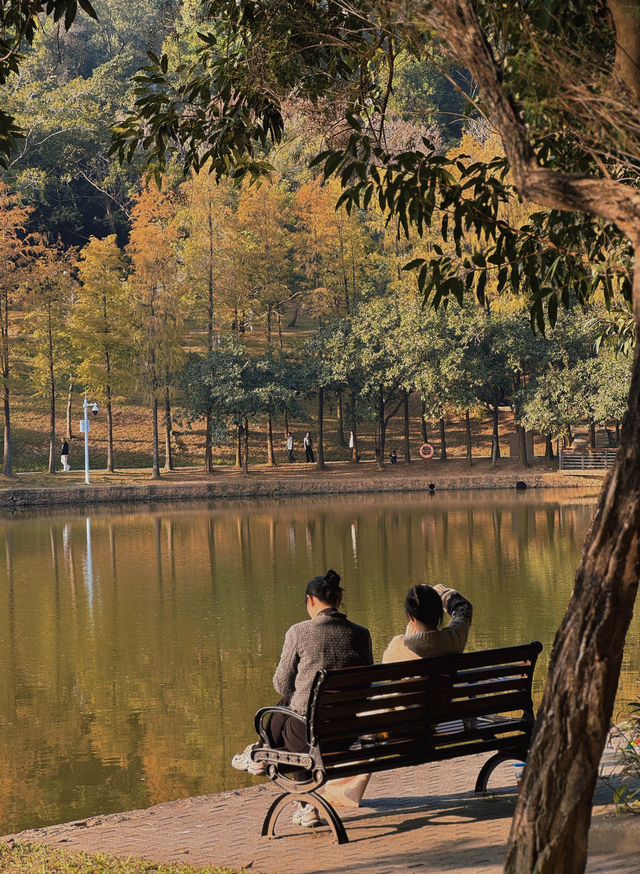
(64, 456)
(289, 443)
(308, 448)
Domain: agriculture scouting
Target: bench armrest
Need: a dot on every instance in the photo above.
(269, 711)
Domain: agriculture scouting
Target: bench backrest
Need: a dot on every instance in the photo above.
(422, 710)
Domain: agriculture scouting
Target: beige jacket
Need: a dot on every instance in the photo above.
(426, 644)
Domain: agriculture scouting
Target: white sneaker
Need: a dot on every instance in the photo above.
(306, 815)
(242, 762)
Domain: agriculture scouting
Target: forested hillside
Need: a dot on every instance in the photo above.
(231, 308)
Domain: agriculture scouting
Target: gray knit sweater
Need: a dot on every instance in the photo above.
(329, 640)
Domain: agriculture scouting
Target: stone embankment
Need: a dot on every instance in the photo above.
(293, 481)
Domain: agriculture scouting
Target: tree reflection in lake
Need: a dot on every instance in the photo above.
(136, 680)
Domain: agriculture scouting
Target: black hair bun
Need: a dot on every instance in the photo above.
(332, 578)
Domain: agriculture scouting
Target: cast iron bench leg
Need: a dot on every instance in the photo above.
(487, 769)
(335, 823)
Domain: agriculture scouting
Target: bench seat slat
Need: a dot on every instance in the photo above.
(478, 690)
(377, 722)
(506, 703)
(362, 706)
(345, 677)
(409, 753)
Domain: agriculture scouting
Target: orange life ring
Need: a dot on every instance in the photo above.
(426, 450)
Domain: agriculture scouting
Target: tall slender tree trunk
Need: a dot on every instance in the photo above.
(320, 444)
(286, 422)
(407, 456)
(443, 440)
(238, 446)
(52, 399)
(271, 458)
(423, 421)
(279, 321)
(522, 446)
(168, 456)
(548, 447)
(294, 317)
(69, 402)
(155, 469)
(381, 430)
(208, 443)
(110, 467)
(467, 425)
(495, 436)
(592, 433)
(245, 434)
(618, 431)
(355, 455)
(340, 418)
(107, 363)
(8, 471)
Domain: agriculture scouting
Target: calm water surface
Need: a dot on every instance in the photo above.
(136, 645)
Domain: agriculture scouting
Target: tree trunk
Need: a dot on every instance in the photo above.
(245, 432)
(592, 434)
(8, 471)
(522, 446)
(69, 399)
(495, 437)
(381, 431)
(443, 442)
(110, 467)
(340, 418)
(271, 458)
(155, 470)
(208, 444)
(52, 406)
(548, 447)
(238, 446)
(320, 445)
(286, 422)
(467, 424)
(294, 317)
(354, 456)
(407, 456)
(423, 421)
(279, 320)
(168, 457)
(618, 431)
(550, 827)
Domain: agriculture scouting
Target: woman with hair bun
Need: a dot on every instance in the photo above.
(326, 640)
(423, 637)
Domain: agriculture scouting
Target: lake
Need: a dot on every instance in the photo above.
(136, 643)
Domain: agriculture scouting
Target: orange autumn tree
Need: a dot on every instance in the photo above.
(210, 263)
(17, 252)
(159, 303)
(101, 326)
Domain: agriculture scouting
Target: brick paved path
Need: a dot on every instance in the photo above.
(401, 828)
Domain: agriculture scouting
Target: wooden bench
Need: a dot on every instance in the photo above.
(367, 719)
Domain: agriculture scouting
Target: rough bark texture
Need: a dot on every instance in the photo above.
(550, 825)
(548, 447)
(271, 457)
(522, 446)
(551, 822)
(208, 445)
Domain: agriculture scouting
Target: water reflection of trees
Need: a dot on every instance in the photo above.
(140, 688)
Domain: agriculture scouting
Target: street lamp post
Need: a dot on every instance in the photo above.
(84, 429)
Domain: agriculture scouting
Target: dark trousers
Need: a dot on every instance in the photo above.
(287, 732)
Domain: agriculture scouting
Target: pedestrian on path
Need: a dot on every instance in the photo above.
(64, 456)
(289, 444)
(308, 448)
